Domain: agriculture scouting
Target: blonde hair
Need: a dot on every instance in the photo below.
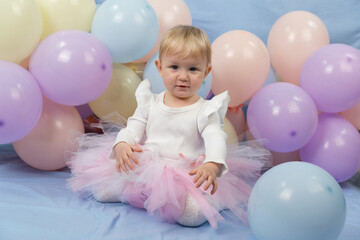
(186, 41)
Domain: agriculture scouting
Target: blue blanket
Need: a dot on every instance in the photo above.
(37, 205)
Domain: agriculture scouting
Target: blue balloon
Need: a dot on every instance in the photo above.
(151, 73)
(296, 201)
(129, 29)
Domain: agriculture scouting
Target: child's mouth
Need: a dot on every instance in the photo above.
(182, 86)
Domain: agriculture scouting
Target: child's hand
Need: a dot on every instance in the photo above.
(207, 171)
(125, 156)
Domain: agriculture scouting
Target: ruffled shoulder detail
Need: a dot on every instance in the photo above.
(144, 96)
(217, 105)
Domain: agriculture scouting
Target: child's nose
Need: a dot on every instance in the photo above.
(183, 75)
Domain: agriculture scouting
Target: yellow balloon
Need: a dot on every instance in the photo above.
(20, 29)
(230, 131)
(66, 14)
(138, 68)
(120, 94)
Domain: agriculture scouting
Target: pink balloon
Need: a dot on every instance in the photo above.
(240, 64)
(335, 147)
(169, 14)
(44, 147)
(292, 39)
(237, 119)
(353, 115)
(72, 67)
(279, 157)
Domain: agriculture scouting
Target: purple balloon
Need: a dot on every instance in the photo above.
(331, 76)
(335, 147)
(72, 67)
(284, 115)
(20, 102)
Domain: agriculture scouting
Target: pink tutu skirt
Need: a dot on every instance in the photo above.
(161, 185)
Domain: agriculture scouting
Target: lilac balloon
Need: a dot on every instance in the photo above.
(335, 147)
(72, 67)
(282, 114)
(20, 102)
(331, 76)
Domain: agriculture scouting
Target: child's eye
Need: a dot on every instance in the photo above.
(193, 69)
(174, 67)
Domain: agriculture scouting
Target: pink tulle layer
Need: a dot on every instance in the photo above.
(162, 185)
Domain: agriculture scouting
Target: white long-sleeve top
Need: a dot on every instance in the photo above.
(192, 131)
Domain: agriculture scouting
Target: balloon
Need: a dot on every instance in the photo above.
(296, 201)
(61, 15)
(279, 157)
(138, 68)
(72, 67)
(284, 115)
(157, 85)
(129, 29)
(271, 78)
(292, 39)
(334, 147)
(237, 118)
(84, 110)
(169, 14)
(240, 64)
(353, 115)
(230, 131)
(20, 29)
(331, 76)
(44, 147)
(25, 63)
(20, 102)
(120, 94)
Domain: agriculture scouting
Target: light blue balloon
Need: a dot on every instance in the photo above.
(157, 85)
(129, 29)
(296, 201)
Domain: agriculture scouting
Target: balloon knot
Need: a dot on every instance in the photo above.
(237, 109)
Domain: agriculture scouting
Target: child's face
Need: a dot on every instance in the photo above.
(182, 77)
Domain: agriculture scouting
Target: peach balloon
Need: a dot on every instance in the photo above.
(25, 63)
(353, 115)
(279, 157)
(240, 64)
(237, 118)
(292, 39)
(44, 147)
(119, 96)
(169, 14)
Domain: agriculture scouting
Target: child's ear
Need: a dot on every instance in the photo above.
(158, 66)
(207, 70)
